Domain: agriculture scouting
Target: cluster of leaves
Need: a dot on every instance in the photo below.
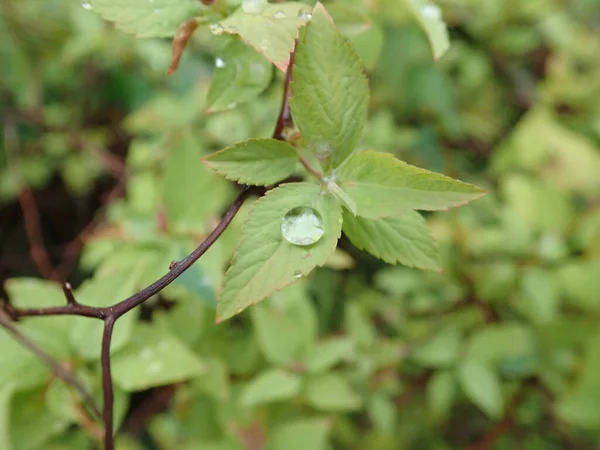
(357, 354)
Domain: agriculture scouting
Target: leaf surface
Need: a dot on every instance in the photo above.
(255, 161)
(266, 262)
(147, 18)
(330, 93)
(404, 239)
(383, 186)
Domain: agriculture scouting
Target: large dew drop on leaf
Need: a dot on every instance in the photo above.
(302, 226)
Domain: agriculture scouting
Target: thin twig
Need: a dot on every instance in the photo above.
(285, 115)
(59, 370)
(31, 216)
(107, 386)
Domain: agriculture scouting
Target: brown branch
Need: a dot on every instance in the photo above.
(31, 216)
(59, 370)
(112, 313)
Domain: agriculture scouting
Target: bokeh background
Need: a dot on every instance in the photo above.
(101, 184)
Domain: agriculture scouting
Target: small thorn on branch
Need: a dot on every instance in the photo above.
(68, 291)
(173, 264)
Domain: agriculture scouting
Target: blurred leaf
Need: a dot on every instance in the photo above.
(300, 434)
(265, 261)
(271, 31)
(191, 191)
(255, 161)
(86, 334)
(240, 75)
(441, 393)
(482, 386)
(383, 186)
(328, 353)
(579, 282)
(331, 392)
(404, 239)
(157, 18)
(429, 16)
(6, 392)
(285, 325)
(326, 69)
(442, 350)
(274, 385)
(383, 414)
(153, 358)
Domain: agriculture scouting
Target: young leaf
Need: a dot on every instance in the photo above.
(255, 161)
(146, 19)
(429, 16)
(271, 31)
(265, 261)
(330, 93)
(240, 75)
(331, 392)
(271, 386)
(404, 239)
(300, 434)
(154, 358)
(482, 386)
(383, 186)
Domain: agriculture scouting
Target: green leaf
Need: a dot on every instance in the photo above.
(301, 434)
(154, 358)
(330, 93)
(192, 192)
(285, 325)
(404, 239)
(441, 393)
(383, 186)
(441, 350)
(482, 386)
(106, 290)
(429, 16)
(274, 385)
(266, 262)
(240, 75)
(144, 18)
(328, 353)
(331, 392)
(271, 31)
(255, 161)
(6, 392)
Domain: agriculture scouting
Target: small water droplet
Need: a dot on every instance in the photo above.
(156, 11)
(86, 4)
(254, 6)
(231, 29)
(297, 274)
(302, 225)
(219, 63)
(431, 11)
(146, 354)
(304, 14)
(279, 15)
(264, 44)
(216, 29)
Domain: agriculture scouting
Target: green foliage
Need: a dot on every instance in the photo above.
(342, 351)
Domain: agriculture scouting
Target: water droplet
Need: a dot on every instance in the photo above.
(146, 354)
(431, 11)
(304, 14)
(302, 226)
(86, 4)
(156, 11)
(254, 6)
(297, 274)
(219, 63)
(279, 15)
(216, 29)
(231, 29)
(323, 151)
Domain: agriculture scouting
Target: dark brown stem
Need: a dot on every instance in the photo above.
(68, 291)
(59, 370)
(107, 387)
(285, 116)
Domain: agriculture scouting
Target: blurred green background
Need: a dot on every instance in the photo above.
(499, 351)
